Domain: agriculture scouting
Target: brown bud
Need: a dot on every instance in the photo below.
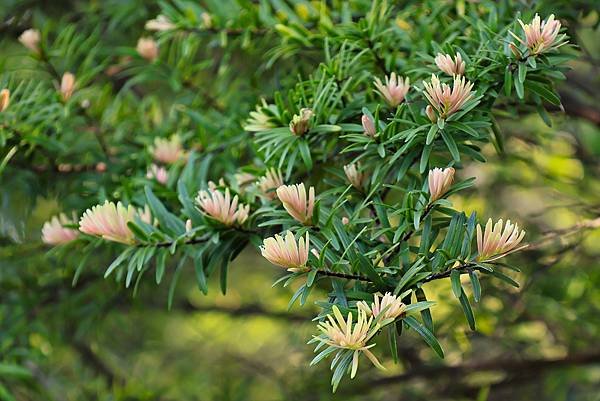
(431, 114)
(4, 99)
(31, 40)
(300, 123)
(514, 50)
(67, 86)
(147, 48)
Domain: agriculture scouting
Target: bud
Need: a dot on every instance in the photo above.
(300, 123)
(394, 90)
(101, 167)
(31, 40)
(351, 334)
(498, 240)
(444, 100)
(65, 167)
(67, 85)
(244, 179)
(222, 208)
(272, 180)
(516, 52)
(368, 125)
(449, 66)
(286, 252)
(160, 23)
(297, 203)
(160, 174)
(109, 221)
(188, 225)
(206, 20)
(390, 306)
(4, 99)
(345, 220)
(54, 231)
(355, 176)
(440, 181)
(220, 183)
(167, 151)
(147, 48)
(541, 36)
(261, 118)
(431, 114)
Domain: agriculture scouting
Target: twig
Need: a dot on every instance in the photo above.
(343, 275)
(192, 241)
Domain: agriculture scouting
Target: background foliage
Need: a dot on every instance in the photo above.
(66, 333)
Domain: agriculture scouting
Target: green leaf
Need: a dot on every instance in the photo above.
(522, 72)
(305, 154)
(504, 278)
(381, 150)
(426, 334)
(166, 220)
(174, 281)
(431, 134)
(419, 306)
(498, 137)
(186, 202)
(441, 123)
(451, 145)
(322, 355)
(544, 115)
(508, 81)
(80, 267)
(519, 88)
(425, 236)
(160, 265)
(340, 294)
(200, 274)
(425, 158)
(117, 262)
(455, 279)
(137, 231)
(341, 368)
(223, 274)
(5, 395)
(543, 91)
(391, 332)
(464, 128)
(12, 370)
(476, 285)
(410, 273)
(310, 278)
(426, 313)
(366, 267)
(326, 128)
(464, 302)
(296, 295)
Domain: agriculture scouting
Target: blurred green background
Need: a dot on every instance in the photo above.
(97, 341)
